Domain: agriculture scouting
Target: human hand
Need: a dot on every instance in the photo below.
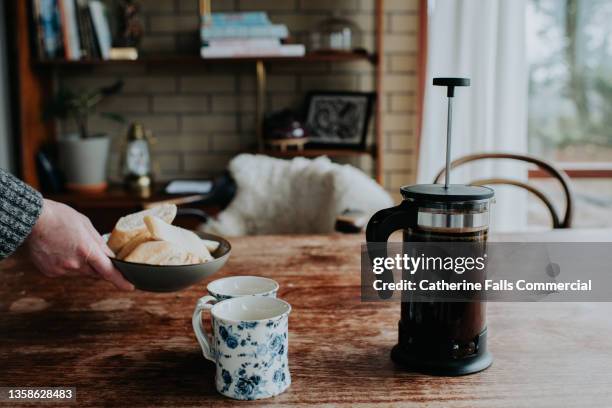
(63, 242)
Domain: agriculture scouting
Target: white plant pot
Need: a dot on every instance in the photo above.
(83, 162)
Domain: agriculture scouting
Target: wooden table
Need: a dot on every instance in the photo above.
(137, 349)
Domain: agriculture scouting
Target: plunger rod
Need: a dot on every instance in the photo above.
(449, 131)
(450, 83)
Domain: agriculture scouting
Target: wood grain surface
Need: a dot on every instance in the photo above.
(137, 349)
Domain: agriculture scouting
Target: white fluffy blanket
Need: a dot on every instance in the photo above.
(277, 196)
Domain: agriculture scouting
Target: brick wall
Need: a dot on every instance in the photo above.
(203, 115)
(400, 84)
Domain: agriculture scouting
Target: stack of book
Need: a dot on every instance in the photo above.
(72, 29)
(245, 34)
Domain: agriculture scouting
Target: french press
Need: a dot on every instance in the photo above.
(438, 337)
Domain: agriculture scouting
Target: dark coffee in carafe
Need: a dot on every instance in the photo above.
(448, 329)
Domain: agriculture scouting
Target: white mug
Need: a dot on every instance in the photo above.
(236, 286)
(249, 345)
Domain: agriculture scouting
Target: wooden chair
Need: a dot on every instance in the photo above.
(549, 168)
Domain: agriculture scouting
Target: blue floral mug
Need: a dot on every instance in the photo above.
(236, 286)
(249, 345)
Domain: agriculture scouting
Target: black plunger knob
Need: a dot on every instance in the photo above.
(451, 83)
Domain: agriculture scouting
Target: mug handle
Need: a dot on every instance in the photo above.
(381, 226)
(198, 327)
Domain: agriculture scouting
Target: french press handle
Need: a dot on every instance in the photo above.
(381, 226)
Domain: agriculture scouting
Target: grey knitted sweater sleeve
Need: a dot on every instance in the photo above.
(20, 206)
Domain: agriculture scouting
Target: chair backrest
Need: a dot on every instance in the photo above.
(548, 167)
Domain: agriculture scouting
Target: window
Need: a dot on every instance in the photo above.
(569, 50)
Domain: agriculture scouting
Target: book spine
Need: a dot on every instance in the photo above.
(244, 42)
(290, 50)
(70, 29)
(84, 41)
(76, 37)
(40, 37)
(244, 18)
(101, 28)
(89, 35)
(51, 28)
(95, 48)
(270, 31)
(63, 13)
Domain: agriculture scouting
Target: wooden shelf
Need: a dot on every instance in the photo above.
(197, 60)
(35, 81)
(311, 152)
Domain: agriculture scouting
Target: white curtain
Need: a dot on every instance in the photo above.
(483, 40)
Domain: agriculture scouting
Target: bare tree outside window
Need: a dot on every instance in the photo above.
(569, 45)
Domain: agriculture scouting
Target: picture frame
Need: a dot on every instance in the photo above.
(338, 119)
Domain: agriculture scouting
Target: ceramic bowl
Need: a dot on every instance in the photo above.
(171, 278)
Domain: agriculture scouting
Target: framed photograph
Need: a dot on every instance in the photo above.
(338, 118)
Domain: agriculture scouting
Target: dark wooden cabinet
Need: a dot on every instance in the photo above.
(105, 208)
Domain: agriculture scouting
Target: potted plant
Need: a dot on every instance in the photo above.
(83, 155)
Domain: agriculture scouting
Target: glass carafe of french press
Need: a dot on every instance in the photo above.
(439, 337)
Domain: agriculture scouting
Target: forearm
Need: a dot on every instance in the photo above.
(20, 207)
